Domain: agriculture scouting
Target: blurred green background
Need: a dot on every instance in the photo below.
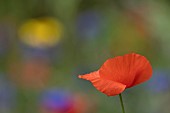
(46, 44)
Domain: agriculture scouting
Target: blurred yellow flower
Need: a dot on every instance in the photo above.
(43, 32)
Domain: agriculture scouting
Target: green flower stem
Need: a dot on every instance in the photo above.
(121, 100)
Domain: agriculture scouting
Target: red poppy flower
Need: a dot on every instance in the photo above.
(119, 73)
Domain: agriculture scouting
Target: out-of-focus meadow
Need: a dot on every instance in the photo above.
(46, 44)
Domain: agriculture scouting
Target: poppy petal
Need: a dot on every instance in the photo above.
(143, 70)
(130, 69)
(119, 69)
(107, 87)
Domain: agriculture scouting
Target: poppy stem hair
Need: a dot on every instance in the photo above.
(121, 101)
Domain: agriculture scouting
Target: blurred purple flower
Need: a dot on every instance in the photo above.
(7, 94)
(4, 37)
(89, 24)
(29, 52)
(160, 81)
(51, 54)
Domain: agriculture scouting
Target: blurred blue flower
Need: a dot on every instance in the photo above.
(56, 99)
(89, 24)
(160, 81)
